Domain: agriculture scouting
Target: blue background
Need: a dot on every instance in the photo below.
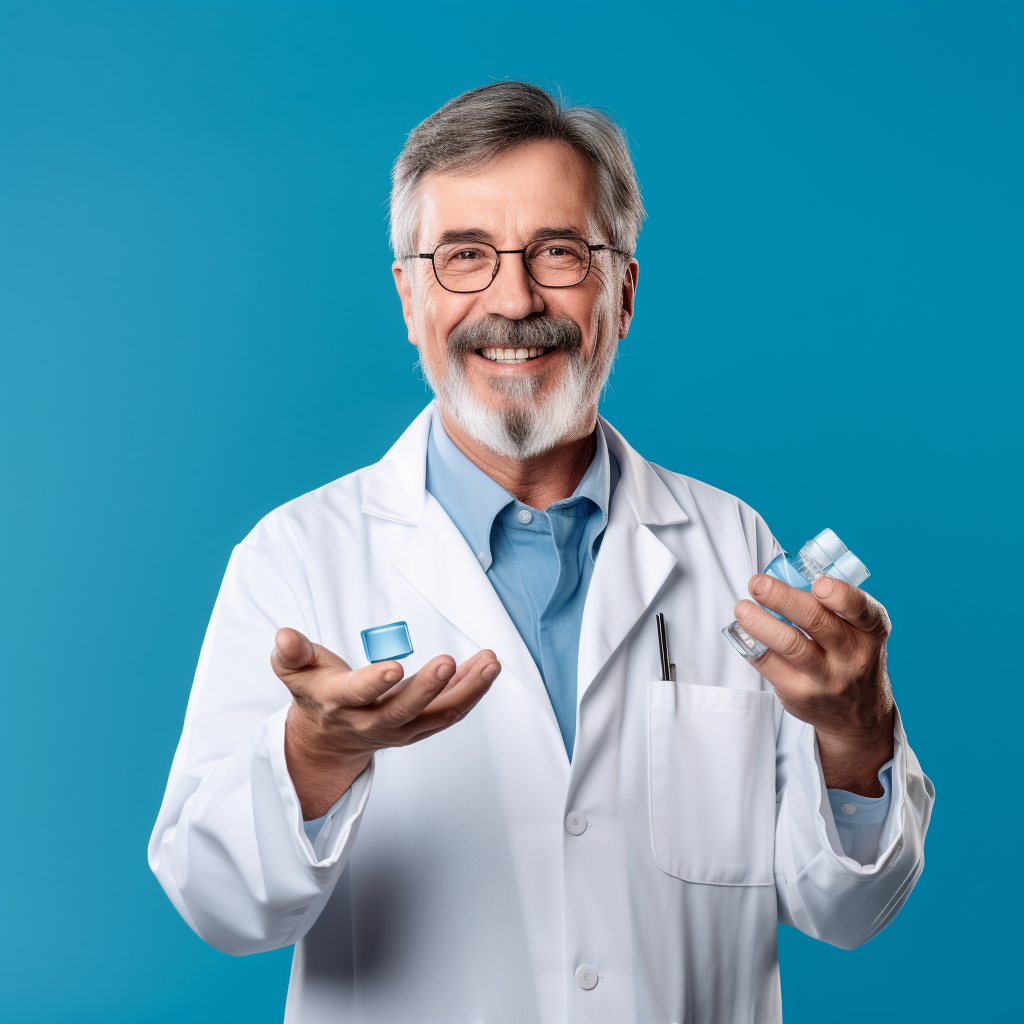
(199, 324)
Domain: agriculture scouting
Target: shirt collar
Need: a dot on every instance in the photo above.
(472, 499)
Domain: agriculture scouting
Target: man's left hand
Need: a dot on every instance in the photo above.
(835, 677)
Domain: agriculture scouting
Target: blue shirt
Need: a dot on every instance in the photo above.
(540, 563)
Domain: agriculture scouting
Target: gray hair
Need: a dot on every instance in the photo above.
(484, 123)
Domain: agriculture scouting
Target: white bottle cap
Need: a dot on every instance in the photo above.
(831, 545)
(852, 568)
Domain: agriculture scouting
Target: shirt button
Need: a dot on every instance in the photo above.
(576, 825)
(524, 515)
(586, 976)
(849, 809)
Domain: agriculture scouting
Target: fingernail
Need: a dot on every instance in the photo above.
(823, 586)
(445, 672)
(759, 585)
(491, 672)
(391, 676)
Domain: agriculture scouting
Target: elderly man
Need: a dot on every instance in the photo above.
(592, 841)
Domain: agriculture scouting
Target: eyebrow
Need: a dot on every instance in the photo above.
(478, 235)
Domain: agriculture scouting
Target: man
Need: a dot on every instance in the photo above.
(591, 841)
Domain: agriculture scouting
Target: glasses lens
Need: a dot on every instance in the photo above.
(558, 262)
(465, 266)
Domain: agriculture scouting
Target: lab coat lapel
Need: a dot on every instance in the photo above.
(632, 565)
(438, 562)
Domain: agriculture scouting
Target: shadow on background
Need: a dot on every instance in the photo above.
(199, 324)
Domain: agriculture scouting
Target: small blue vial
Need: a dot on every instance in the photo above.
(825, 555)
(387, 643)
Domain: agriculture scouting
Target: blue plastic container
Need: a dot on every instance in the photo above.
(387, 643)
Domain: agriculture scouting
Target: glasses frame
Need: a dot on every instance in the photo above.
(591, 249)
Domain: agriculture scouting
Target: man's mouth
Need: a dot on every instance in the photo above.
(511, 355)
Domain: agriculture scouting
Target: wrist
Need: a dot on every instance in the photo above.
(851, 760)
(320, 771)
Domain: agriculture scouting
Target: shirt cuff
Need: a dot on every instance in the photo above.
(859, 819)
(312, 828)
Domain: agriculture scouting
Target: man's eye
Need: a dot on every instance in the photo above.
(467, 254)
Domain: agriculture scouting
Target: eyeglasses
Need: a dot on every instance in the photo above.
(465, 267)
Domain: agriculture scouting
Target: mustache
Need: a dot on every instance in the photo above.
(535, 330)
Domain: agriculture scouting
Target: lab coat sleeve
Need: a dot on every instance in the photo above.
(229, 848)
(821, 890)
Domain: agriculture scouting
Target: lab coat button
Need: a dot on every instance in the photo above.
(576, 825)
(524, 515)
(586, 976)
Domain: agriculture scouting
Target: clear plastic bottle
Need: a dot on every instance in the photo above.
(825, 555)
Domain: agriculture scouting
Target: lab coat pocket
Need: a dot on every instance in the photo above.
(712, 764)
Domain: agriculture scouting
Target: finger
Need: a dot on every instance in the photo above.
(419, 690)
(453, 706)
(474, 684)
(369, 683)
(802, 608)
(790, 683)
(466, 667)
(304, 667)
(783, 639)
(317, 675)
(858, 608)
(292, 650)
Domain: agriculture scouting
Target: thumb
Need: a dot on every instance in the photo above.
(292, 651)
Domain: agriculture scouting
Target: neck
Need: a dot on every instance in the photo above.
(539, 481)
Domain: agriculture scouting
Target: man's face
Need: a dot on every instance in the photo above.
(516, 408)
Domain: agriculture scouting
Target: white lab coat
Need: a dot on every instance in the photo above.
(449, 888)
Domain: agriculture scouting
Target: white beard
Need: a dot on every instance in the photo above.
(525, 425)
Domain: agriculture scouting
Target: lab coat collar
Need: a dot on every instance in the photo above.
(651, 500)
(398, 483)
(397, 488)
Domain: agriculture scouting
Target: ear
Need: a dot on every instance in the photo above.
(404, 285)
(629, 283)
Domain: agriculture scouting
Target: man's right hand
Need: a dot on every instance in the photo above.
(340, 716)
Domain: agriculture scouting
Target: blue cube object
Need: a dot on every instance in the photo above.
(387, 643)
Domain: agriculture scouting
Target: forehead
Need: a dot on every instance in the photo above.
(541, 185)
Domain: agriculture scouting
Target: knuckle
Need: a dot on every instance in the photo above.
(820, 621)
(453, 716)
(393, 717)
(790, 644)
(860, 663)
(363, 726)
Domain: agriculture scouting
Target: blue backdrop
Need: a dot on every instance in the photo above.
(199, 324)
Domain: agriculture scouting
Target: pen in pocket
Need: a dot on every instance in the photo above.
(668, 670)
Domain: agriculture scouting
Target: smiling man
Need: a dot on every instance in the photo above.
(527, 821)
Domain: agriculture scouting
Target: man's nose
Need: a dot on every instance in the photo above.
(513, 294)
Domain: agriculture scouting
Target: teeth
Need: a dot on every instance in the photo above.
(512, 355)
